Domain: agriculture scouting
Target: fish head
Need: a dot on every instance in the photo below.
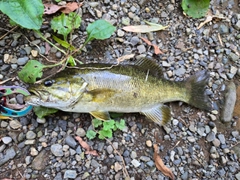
(59, 93)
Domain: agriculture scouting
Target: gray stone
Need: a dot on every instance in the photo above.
(223, 29)
(30, 135)
(15, 124)
(109, 149)
(126, 21)
(81, 132)
(134, 40)
(216, 142)
(170, 7)
(27, 49)
(233, 57)
(237, 25)
(133, 154)
(94, 163)
(145, 158)
(211, 136)
(40, 161)
(191, 139)
(141, 49)
(180, 72)
(72, 174)
(10, 154)
(57, 150)
(164, 14)
(230, 99)
(150, 163)
(85, 175)
(41, 120)
(23, 60)
(237, 176)
(135, 163)
(221, 138)
(71, 141)
(120, 33)
(6, 140)
(58, 176)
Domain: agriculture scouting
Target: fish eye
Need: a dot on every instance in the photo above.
(48, 83)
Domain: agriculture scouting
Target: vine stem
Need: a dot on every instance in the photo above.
(40, 34)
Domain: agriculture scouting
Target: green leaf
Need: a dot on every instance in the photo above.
(26, 13)
(64, 43)
(105, 133)
(43, 111)
(100, 30)
(64, 24)
(31, 71)
(71, 61)
(97, 123)
(116, 115)
(195, 8)
(91, 134)
(108, 124)
(120, 125)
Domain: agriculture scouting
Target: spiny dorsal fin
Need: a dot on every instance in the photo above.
(149, 66)
(160, 114)
(102, 115)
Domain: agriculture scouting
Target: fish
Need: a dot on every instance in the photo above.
(140, 87)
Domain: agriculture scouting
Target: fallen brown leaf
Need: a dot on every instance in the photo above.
(156, 48)
(86, 146)
(53, 8)
(125, 57)
(160, 165)
(70, 7)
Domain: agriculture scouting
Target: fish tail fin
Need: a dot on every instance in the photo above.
(196, 85)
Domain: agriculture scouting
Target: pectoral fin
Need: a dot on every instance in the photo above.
(159, 114)
(100, 115)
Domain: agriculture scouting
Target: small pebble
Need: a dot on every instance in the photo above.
(149, 143)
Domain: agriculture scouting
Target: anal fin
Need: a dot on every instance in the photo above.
(102, 115)
(160, 114)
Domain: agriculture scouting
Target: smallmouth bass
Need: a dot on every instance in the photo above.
(102, 88)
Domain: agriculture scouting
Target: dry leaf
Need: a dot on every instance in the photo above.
(53, 8)
(145, 28)
(210, 18)
(160, 165)
(156, 48)
(86, 146)
(125, 57)
(70, 7)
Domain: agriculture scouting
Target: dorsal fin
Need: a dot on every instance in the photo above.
(149, 66)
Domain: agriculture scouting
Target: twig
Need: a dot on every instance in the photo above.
(8, 31)
(125, 172)
(220, 39)
(10, 79)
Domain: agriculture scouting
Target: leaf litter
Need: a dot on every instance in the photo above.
(53, 8)
(86, 146)
(160, 165)
(156, 48)
(149, 27)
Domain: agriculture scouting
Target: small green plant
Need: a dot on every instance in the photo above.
(106, 128)
(28, 14)
(195, 8)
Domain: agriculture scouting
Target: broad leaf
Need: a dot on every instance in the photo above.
(105, 133)
(43, 111)
(31, 71)
(100, 29)
(91, 134)
(64, 43)
(64, 24)
(120, 125)
(71, 61)
(26, 13)
(97, 122)
(108, 124)
(195, 8)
